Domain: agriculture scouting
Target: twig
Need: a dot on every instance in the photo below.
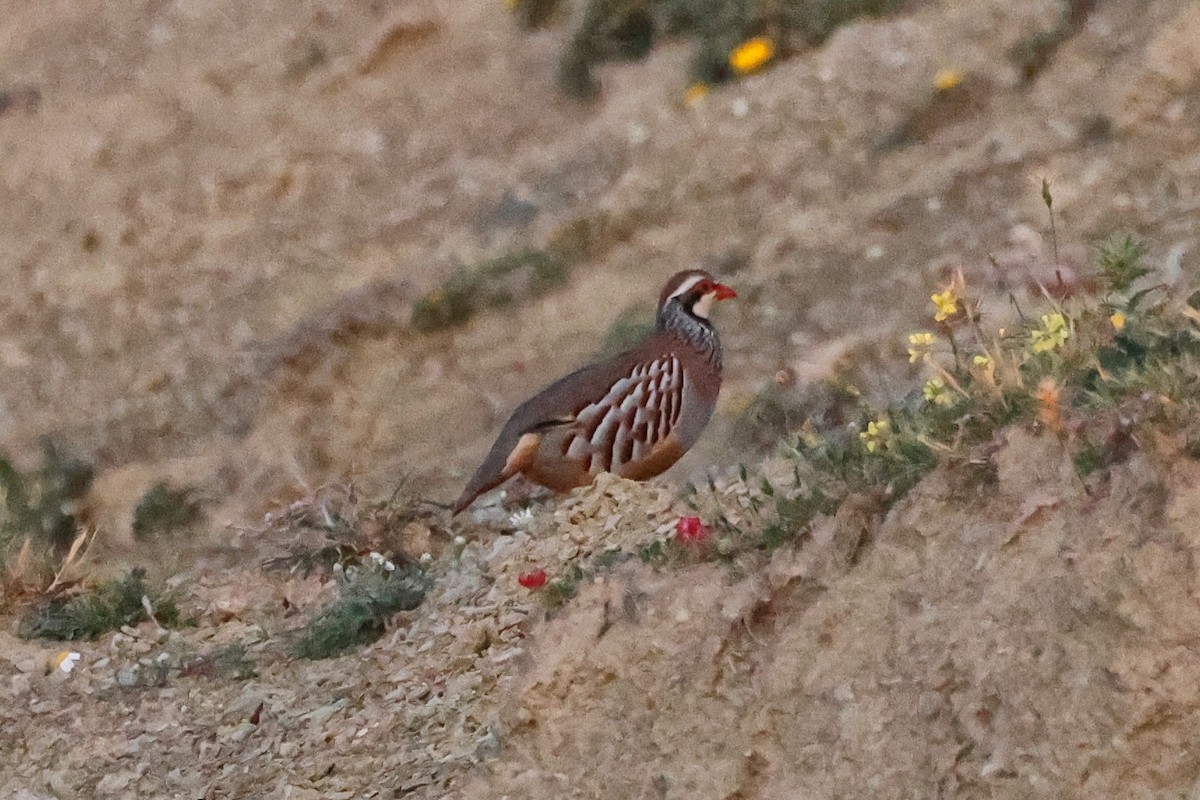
(1012, 298)
(75, 556)
(149, 608)
(1048, 199)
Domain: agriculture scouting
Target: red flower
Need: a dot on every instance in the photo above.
(534, 579)
(690, 529)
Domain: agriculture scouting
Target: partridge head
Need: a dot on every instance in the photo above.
(635, 414)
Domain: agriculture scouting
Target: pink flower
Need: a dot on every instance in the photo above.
(534, 579)
(690, 529)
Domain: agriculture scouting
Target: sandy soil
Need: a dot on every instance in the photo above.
(217, 217)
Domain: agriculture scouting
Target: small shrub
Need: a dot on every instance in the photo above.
(39, 520)
(816, 20)
(492, 284)
(777, 412)
(1120, 262)
(336, 528)
(43, 504)
(1092, 370)
(563, 589)
(653, 553)
(1034, 52)
(163, 511)
(368, 596)
(96, 611)
(1089, 370)
(609, 30)
(534, 14)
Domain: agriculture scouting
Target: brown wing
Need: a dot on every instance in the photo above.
(639, 411)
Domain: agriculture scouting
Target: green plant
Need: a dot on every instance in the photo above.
(494, 283)
(163, 511)
(564, 588)
(338, 532)
(608, 30)
(127, 600)
(533, 14)
(39, 518)
(1120, 262)
(368, 596)
(1096, 371)
(42, 504)
(338, 528)
(1089, 370)
(653, 553)
(1034, 52)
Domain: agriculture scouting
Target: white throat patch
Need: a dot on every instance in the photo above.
(704, 305)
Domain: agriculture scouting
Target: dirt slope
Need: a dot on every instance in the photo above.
(1026, 638)
(1034, 642)
(218, 219)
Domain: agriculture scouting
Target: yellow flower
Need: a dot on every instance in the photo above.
(751, 54)
(947, 305)
(982, 361)
(1118, 321)
(935, 392)
(877, 436)
(1051, 336)
(919, 344)
(947, 79)
(694, 94)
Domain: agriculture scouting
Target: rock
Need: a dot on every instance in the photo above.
(127, 676)
(114, 782)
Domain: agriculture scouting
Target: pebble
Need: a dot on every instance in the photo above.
(127, 676)
(242, 732)
(114, 782)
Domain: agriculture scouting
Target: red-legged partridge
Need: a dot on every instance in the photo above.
(634, 415)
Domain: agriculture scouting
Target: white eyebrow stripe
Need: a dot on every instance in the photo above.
(686, 285)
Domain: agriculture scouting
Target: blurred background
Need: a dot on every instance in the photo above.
(252, 249)
(274, 272)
